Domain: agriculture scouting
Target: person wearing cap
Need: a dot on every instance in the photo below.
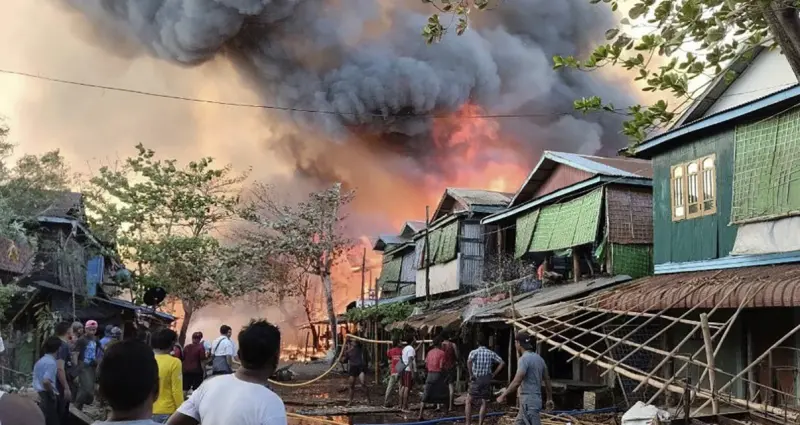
(87, 348)
(194, 357)
(531, 373)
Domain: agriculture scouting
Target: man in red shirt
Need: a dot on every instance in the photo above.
(194, 355)
(394, 354)
(435, 383)
(450, 363)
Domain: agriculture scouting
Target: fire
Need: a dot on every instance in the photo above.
(296, 353)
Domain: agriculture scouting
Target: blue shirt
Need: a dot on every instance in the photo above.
(44, 370)
(104, 341)
(90, 353)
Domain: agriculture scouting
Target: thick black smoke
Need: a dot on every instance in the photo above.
(365, 61)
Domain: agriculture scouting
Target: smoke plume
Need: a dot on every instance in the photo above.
(365, 63)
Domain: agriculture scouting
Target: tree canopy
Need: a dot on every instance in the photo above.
(673, 46)
(165, 220)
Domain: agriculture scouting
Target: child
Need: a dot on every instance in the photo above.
(44, 380)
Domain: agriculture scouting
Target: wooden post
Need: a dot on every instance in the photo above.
(377, 359)
(576, 264)
(751, 374)
(755, 362)
(427, 256)
(687, 401)
(710, 361)
(770, 379)
(510, 352)
(305, 350)
(363, 275)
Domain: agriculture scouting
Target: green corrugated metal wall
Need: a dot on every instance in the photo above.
(700, 238)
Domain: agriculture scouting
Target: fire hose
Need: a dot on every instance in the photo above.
(333, 365)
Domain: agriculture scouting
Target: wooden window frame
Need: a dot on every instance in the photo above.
(700, 186)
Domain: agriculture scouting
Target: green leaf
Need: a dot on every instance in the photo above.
(637, 11)
(610, 34)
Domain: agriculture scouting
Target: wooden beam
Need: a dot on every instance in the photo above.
(657, 384)
(758, 359)
(714, 325)
(712, 380)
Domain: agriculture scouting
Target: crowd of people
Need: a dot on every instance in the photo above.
(164, 383)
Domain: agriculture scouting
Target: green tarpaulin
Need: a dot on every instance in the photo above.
(568, 224)
(525, 226)
(766, 177)
(444, 244)
(390, 272)
(448, 242)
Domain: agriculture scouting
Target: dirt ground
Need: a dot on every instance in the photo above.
(332, 392)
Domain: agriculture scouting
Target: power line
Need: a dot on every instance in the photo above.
(448, 115)
(272, 107)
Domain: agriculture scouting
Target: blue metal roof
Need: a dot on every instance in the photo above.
(784, 98)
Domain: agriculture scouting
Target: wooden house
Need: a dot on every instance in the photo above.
(69, 277)
(456, 253)
(579, 212)
(398, 270)
(726, 225)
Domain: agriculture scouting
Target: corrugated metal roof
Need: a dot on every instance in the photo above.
(617, 167)
(781, 289)
(550, 295)
(480, 197)
(65, 205)
(414, 225)
(384, 240)
(470, 200)
(595, 165)
(113, 301)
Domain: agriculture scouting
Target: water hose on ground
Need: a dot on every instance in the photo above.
(335, 362)
(461, 418)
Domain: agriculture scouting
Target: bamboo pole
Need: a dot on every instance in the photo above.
(753, 364)
(712, 377)
(714, 325)
(645, 323)
(662, 331)
(607, 321)
(668, 387)
(746, 299)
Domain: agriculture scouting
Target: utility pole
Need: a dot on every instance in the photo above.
(427, 256)
(363, 274)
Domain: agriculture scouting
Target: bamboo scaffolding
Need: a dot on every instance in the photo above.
(664, 329)
(714, 325)
(689, 336)
(645, 323)
(746, 299)
(712, 379)
(674, 388)
(611, 319)
(753, 364)
(632, 344)
(627, 286)
(650, 376)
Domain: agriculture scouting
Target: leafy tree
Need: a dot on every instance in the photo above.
(163, 218)
(685, 46)
(306, 235)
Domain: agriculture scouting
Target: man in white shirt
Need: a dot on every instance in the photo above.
(223, 351)
(409, 362)
(241, 398)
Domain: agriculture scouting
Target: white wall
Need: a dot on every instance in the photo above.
(443, 277)
(769, 72)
